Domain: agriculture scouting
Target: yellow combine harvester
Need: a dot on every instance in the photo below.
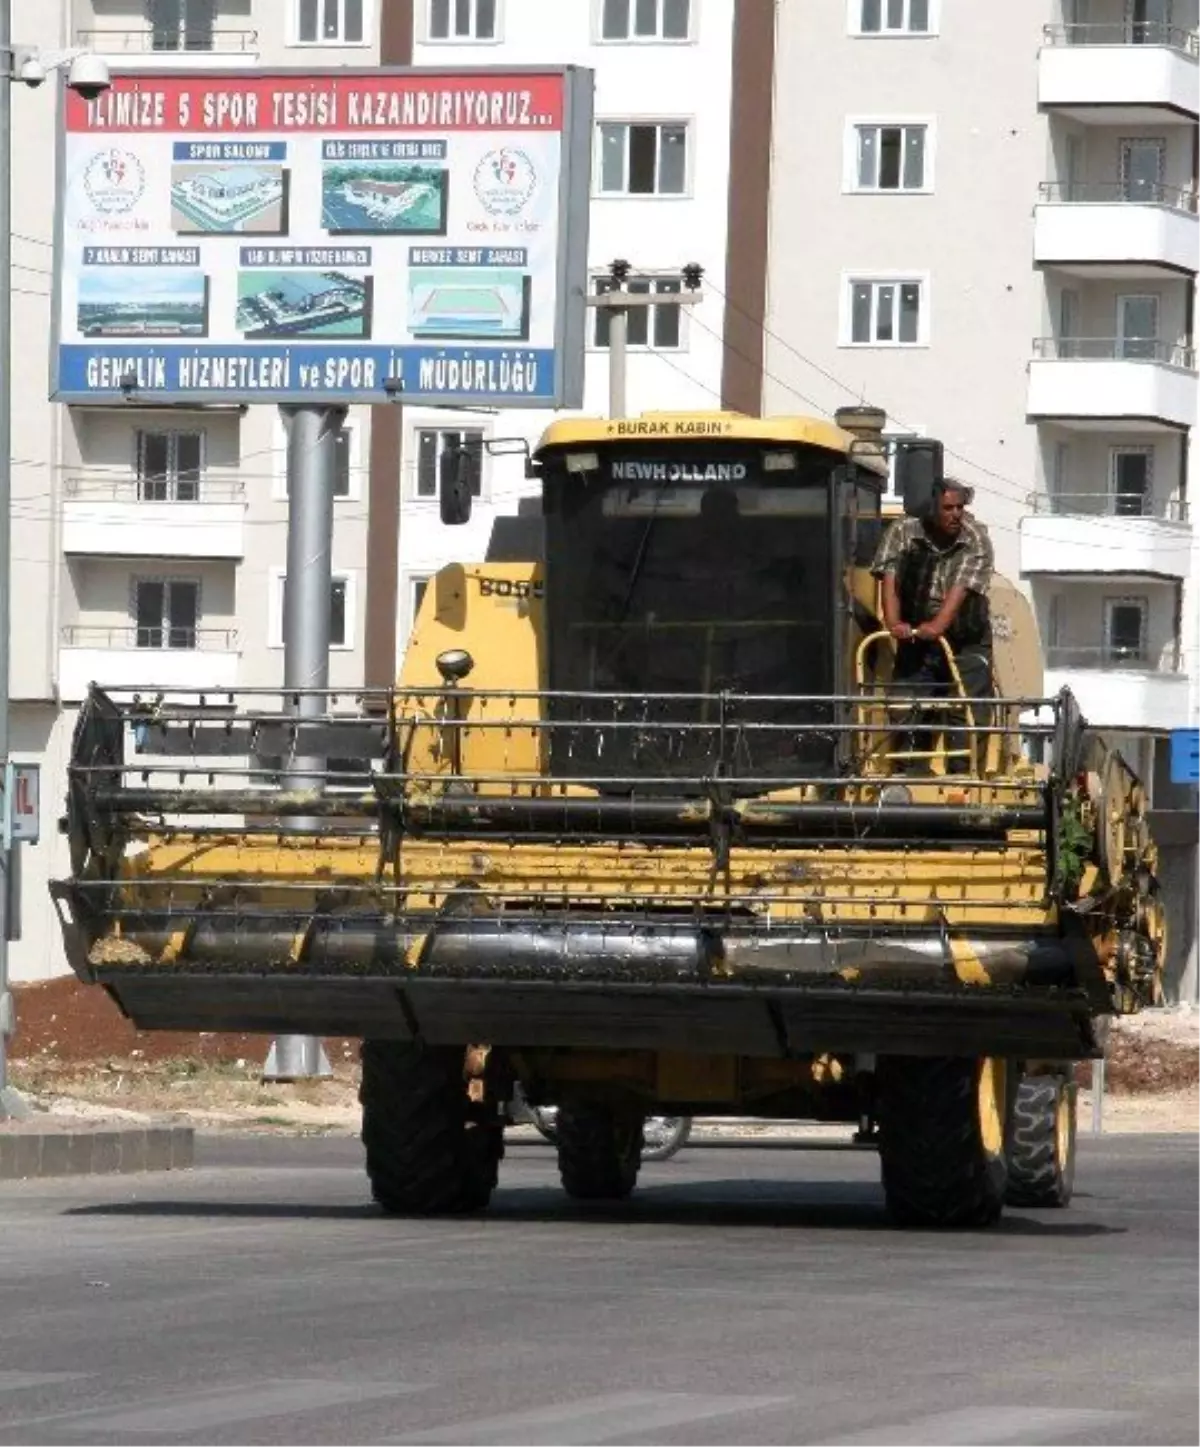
(639, 833)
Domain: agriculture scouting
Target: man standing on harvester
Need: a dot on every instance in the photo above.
(935, 572)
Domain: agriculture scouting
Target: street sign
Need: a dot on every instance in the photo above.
(325, 238)
(21, 804)
(1185, 756)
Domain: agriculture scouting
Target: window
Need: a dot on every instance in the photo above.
(1125, 630)
(887, 313)
(169, 465)
(341, 609)
(643, 158)
(1131, 473)
(657, 327)
(347, 465)
(331, 22)
(165, 613)
(181, 24)
(645, 19)
(432, 443)
(417, 584)
(462, 20)
(890, 158)
(893, 17)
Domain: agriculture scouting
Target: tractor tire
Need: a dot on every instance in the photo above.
(1041, 1154)
(943, 1133)
(424, 1156)
(599, 1151)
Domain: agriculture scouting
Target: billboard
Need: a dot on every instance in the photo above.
(352, 236)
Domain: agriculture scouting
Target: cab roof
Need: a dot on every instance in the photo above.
(703, 427)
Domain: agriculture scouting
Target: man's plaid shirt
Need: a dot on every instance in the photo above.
(925, 573)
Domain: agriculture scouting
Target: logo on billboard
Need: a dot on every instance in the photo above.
(114, 181)
(504, 181)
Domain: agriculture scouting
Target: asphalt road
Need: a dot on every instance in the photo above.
(745, 1295)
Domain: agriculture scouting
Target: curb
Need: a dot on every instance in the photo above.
(26, 1153)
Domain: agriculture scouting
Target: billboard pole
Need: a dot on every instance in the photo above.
(8, 1105)
(312, 434)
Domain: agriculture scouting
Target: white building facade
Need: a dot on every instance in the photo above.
(984, 220)
(660, 200)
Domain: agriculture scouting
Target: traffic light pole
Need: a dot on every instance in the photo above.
(312, 434)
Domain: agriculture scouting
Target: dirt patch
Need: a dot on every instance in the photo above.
(75, 1054)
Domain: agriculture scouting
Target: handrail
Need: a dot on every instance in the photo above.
(201, 640)
(1119, 349)
(1119, 193)
(169, 41)
(122, 487)
(1125, 32)
(1107, 655)
(1101, 503)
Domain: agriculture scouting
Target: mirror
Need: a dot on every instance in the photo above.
(459, 470)
(919, 472)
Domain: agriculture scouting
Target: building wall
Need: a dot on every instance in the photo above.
(635, 81)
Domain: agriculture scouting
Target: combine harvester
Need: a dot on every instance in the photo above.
(639, 833)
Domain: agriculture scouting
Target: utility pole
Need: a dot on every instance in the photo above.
(9, 1105)
(312, 433)
(618, 301)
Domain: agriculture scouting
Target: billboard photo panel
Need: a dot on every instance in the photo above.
(342, 237)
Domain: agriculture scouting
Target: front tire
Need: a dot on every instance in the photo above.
(425, 1156)
(599, 1151)
(943, 1134)
(1041, 1155)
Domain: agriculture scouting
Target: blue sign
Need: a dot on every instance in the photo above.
(1185, 756)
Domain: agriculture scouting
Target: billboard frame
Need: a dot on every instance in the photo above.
(571, 272)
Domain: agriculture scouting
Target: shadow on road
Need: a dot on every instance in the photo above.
(841, 1206)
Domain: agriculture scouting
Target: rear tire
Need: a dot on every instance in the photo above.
(599, 1151)
(1041, 1154)
(943, 1131)
(424, 1156)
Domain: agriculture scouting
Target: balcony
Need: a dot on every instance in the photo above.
(154, 47)
(1119, 74)
(109, 515)
(1113, 229)
(1105, 533)
(117, 657)
(1092, 381)
(1120, 689)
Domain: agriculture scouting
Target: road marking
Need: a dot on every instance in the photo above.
(594, 1419)
(981, 1426)
(16, 1381)
(223, 1405)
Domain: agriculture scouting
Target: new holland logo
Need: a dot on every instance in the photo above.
(504, 181)
(114, 181)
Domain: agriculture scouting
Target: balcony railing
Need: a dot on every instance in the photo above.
(1118, 349)
(121, 487)
(1117, 193)
(1111, 655)
(199, 41)
(1128, 32)
(203, 640)
(1108, 504)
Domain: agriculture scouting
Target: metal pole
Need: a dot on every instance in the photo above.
(11, 1104)
(311, 473)
(1097, 1097)
(618, 344)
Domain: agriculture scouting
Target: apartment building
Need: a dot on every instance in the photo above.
(149, 543)
(660, 200)
(983, 219)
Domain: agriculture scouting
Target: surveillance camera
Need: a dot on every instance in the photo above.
(32, 72)
(88, 76)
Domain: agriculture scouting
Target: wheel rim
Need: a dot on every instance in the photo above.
(1062, 1129)
(992, 1105)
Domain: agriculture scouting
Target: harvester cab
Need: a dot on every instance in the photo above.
(642, 830)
